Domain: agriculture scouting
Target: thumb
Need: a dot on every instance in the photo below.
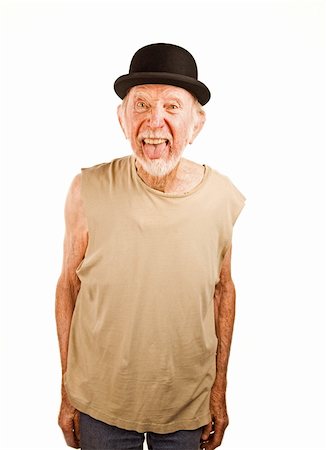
(206, 431)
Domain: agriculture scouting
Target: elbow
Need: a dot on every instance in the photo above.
(67, 288)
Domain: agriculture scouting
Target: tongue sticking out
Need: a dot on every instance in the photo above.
(154, 151)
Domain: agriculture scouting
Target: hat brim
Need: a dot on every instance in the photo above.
(195, 87)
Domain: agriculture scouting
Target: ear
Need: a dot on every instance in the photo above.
(121, 120)
(200, 118)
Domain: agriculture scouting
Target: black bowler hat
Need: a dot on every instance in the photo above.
(163, 64)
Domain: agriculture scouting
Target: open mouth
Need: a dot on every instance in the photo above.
(155, 141)
(154, 148)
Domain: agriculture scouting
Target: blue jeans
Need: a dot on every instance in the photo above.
(97, 435)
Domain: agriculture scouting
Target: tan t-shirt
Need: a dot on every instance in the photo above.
(142, 342)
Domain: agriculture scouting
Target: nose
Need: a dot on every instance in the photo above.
(156, 117)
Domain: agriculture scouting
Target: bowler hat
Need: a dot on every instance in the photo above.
(163, 64)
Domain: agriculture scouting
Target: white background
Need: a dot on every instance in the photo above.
(264, 62)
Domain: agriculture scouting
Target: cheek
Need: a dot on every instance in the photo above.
(135, 127)
(132, 131)
(184, 133)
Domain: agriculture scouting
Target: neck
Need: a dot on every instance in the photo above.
(163, 183)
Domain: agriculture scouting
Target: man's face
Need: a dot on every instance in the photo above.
(159, 121)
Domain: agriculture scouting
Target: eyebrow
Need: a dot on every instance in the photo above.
(176, 99)
(144, 95)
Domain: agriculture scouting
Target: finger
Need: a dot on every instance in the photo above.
(67, 427)
(211, 443)
(207, 445)
(216, 438)
(70, 439)
(77, 427)
(206, 431)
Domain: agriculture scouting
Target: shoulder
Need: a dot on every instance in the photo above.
(101, 176)
(226, 185)
(191, 169)
(74, 191)
(219, 178)
(74, 208)
(230, 197)
(105, 166)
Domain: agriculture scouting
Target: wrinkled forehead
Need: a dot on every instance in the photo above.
(157, 92)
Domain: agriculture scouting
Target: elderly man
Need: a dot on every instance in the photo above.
(145, 301)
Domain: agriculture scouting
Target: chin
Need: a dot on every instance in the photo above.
(158, 167)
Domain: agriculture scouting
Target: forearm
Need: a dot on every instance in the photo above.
(66, 295)
(224, 319)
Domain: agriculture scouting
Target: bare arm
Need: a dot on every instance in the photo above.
(224, 309)
(68, 285)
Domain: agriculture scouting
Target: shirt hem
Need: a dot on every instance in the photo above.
(142, 427)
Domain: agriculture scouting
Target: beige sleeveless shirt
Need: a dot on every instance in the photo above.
(142, 342)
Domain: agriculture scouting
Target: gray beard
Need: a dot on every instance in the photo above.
(159, 167)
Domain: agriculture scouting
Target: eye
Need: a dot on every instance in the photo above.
(141, 105)
(173, 106)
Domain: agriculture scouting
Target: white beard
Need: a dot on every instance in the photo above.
(159, 167)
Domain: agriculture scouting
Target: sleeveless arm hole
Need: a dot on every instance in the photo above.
(235, 204)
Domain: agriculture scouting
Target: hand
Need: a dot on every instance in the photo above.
(213, 432)
(69, 422)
